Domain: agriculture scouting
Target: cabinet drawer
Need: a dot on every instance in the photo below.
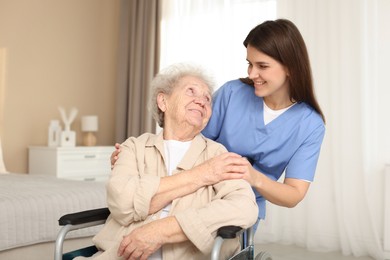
(84, 155)
(89, 178)
(77, 163)
(83, 164)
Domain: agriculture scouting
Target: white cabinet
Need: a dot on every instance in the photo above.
(89, 163)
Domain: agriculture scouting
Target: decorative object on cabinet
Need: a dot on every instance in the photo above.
(78, 163)
(89, 125)
(54, 136)
(68, 137)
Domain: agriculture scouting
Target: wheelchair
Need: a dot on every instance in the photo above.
(96, 217)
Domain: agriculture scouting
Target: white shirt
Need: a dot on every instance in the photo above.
(270, 114)
(174, 152)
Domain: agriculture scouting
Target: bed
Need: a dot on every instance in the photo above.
(30, 207)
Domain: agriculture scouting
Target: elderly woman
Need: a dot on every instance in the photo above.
(167, 193)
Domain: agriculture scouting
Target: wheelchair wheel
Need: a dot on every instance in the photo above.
(263, 256)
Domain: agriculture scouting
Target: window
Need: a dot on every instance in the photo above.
(211, 33)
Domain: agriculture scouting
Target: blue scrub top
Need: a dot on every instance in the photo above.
(289, 143)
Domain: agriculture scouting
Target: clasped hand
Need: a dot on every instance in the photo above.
(141, 242)
(226, 166)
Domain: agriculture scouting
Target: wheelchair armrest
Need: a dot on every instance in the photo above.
(228, 231)
(75, 221)
(84, 217)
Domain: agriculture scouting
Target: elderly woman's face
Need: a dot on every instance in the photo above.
(189, 104)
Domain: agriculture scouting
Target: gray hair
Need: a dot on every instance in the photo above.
(166, 80)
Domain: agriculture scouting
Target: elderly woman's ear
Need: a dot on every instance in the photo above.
(161, 102)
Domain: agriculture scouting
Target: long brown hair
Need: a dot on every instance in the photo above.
(281, 40)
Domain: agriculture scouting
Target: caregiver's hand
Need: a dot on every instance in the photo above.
(225, 166)
(114, 155)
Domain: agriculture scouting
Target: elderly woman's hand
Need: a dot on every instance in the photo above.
(147, 239)
(140, 243)
(226, 166)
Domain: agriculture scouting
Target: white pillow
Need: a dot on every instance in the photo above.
(2, 166)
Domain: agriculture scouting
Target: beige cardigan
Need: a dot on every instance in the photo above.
(136, 178)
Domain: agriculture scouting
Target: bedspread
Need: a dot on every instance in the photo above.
(30, 207)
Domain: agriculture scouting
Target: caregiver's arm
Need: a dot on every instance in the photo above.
(294, 187)
(222, 167)
(286, 194)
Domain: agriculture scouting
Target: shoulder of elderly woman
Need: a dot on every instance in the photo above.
(144, 138)
(213, 144)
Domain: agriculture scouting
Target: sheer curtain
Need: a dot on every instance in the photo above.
(343, 209)
(211, 33)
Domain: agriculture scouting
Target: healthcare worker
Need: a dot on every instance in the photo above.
(272, 117)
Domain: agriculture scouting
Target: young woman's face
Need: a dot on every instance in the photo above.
(269, 76)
